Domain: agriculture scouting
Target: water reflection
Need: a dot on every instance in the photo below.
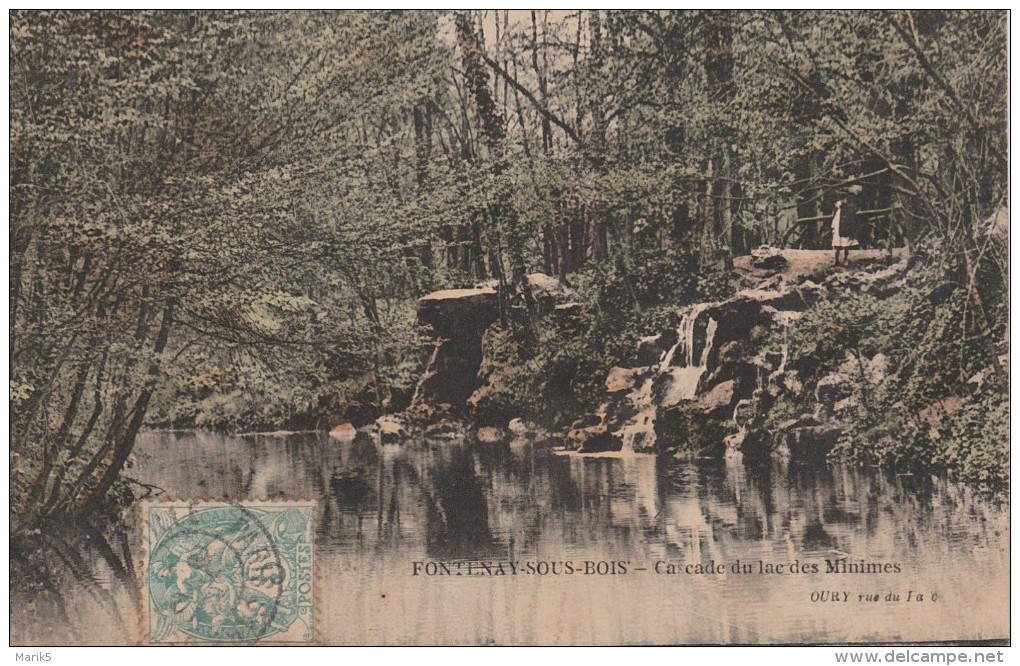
(383, 507)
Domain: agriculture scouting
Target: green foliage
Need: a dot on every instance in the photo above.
(933, 339)
(818, 340)
(973, 443)
(715, 285)
(787, 407)
(199, 235)
(561, 382)
(223, 218)
(884, 435)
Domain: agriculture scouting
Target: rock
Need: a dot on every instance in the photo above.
(739, 319)
(345, 432)
(769, 258)
(593, 439)
(731, 352)
(734, 361)
(774, 282)
(877, 282)
(736, 440)
(718, 399)
(524, 431)
(755, 444)
(457, 319)
(621, 379)
(811, 292)
(650, 350)
(527, 430)
(796, 299)
(802, 421)
(444, 430)
(518, 427)
(478, 396)
(834, 387)
(490, 435)
(807, 442)
(845, 404)
(567, 310)
(391, 429)
(639, 434)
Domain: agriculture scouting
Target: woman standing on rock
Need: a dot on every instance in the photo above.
(845, 228)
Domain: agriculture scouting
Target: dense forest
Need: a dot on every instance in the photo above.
(224, 219)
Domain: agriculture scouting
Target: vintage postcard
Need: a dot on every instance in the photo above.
(509, 327)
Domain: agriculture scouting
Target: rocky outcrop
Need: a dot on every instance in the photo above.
(707, 361)
(391, 428)
(711, 370)
(455, 320)
(345, 432)
(490, 435)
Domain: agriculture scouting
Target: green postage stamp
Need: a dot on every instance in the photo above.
(228, 573)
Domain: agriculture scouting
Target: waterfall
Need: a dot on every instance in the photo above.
(642, 425)
(685, 339)
(683, 366)
(688, 370)
(419, 397)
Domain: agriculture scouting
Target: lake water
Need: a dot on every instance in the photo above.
(387, 511)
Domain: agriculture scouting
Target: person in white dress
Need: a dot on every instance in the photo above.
(844, 229)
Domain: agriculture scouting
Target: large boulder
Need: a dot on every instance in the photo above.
(490, 435)
(444, 430)
(622, 379)
(391, 429)
(651, 349)
(345, 432)
(527, 430)
(718, 402)
(795, 298)
(456, 320)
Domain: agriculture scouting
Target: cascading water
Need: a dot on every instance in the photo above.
(642, 425)
(639, 431)
(688, 370)
(683, 366)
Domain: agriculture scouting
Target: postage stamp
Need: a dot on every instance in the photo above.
(228, 573)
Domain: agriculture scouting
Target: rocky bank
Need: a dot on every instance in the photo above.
(710, 374)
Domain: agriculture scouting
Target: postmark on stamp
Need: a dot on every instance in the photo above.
(228, 573)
